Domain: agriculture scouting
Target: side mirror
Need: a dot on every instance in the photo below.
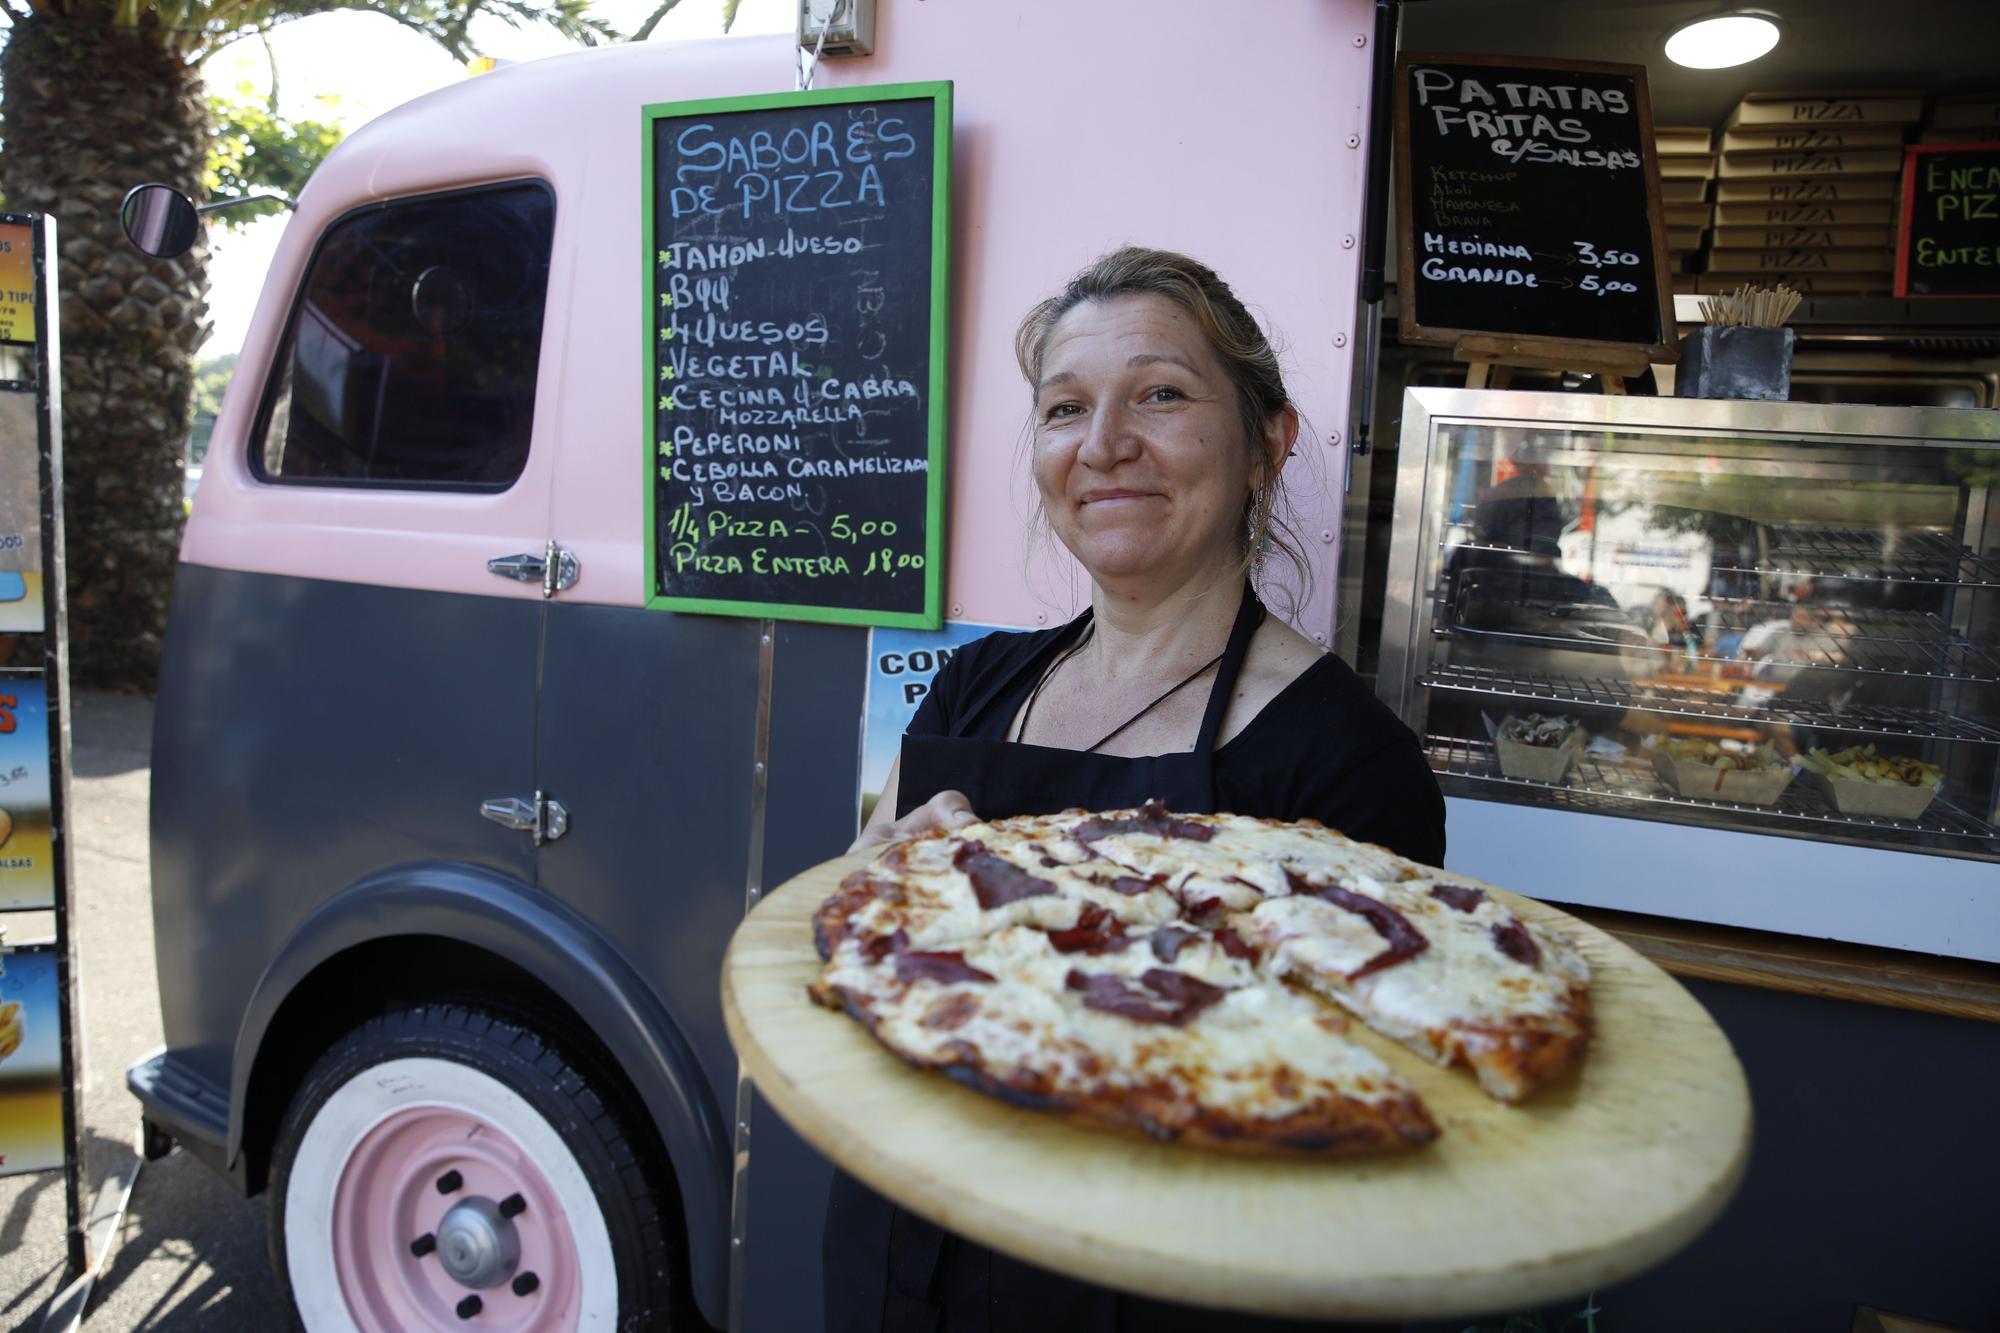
(159, 220)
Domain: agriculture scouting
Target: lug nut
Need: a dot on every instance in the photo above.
(470, 1306)
(526, 1284)
(423, 1245)
(450, 1182)
(513, 1206)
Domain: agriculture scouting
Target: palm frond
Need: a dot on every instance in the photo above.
(570, 18)
(645, 30)
(729, 13)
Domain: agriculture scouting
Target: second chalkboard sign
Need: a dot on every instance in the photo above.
(1949, 241)
(1530, 203)
(796, 270)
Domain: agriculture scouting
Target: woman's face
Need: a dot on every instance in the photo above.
(1138, 449)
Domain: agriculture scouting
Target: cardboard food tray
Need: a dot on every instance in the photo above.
(1876, 800)
(1690, 777)
(1538, 763)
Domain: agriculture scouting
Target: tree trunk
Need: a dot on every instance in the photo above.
(92, 110)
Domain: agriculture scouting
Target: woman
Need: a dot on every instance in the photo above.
(1161, 427)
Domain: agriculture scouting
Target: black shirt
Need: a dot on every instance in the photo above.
(1324, 748)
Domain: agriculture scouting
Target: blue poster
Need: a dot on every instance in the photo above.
(30, 1061)
(901, 663)
(27, 843)
(20, 515)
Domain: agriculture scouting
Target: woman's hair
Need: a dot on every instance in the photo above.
(1239, 343)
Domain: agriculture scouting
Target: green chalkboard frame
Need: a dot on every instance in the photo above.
(939, 94)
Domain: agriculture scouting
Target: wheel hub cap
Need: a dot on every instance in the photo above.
(476, 1246)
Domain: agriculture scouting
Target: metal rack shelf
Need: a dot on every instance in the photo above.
(1881, 643)
(1882, 555)
(1926, 558)
(1604, 784)
(1599, 692)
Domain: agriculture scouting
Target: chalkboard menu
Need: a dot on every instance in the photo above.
(796, 269)
(1529, 201)
(1949, 244)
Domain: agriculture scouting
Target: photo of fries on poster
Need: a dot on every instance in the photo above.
(30, 1061)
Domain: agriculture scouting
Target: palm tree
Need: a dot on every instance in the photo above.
(98, 96)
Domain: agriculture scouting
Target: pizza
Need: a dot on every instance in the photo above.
(1194, 977)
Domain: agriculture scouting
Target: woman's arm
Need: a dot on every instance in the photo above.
(946, 810)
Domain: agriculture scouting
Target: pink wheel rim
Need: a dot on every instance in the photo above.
(392, 1193)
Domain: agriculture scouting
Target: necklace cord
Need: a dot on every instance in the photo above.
(1028, 710)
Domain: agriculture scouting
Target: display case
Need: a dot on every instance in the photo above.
(1733, 661)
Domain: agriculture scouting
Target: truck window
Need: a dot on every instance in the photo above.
(411, 354)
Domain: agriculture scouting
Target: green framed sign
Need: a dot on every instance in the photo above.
(797, 263)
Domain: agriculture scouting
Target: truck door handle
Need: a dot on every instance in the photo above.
(546, 819)
(554, 568)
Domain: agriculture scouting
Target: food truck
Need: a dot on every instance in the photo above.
(601, 418)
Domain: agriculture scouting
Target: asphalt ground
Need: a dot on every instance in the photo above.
(190, 1252)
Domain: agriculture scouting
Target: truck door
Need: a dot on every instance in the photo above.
(339, 658)
(699, 760)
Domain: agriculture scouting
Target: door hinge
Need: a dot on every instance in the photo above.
(542, 816)
(555, 569)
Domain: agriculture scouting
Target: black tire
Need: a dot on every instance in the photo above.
(591, 1115)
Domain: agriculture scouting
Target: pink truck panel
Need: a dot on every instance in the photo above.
(1080, 127)
(1219, 130)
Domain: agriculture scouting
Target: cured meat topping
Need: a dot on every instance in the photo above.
(1158, 996)
(1405, 940)
(1457, 896)
(1236, 946)
(917, 965)
(883, 945)
(1152, 818)
(1512, 938)
(996, 880)
(1095, 931)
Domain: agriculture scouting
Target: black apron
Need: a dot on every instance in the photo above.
(890, 1271)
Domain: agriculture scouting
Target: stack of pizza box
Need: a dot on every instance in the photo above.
(1805, 192)
(1966, 118)
(1687, 163)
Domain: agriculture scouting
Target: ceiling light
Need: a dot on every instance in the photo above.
(1721, 40)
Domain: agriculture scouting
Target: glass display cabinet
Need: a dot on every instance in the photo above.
(1733, 661)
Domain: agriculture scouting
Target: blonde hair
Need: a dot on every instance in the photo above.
(1238, 342)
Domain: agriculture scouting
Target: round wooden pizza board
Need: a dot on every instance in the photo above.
(1596, 1178)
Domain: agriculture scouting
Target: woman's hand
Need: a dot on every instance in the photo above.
(946, 810)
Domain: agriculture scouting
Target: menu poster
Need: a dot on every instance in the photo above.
(27, 860)
(901, 663)
(20, 514)
(31, 1120)
(1529, 199)
(17, 283)
(795, 280)
(1950, 238)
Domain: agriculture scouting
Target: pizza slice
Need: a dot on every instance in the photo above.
(1436, 964)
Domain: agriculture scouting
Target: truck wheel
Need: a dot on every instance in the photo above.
(443, 1168)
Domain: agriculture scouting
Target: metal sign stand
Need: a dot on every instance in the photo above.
(87, 1239)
